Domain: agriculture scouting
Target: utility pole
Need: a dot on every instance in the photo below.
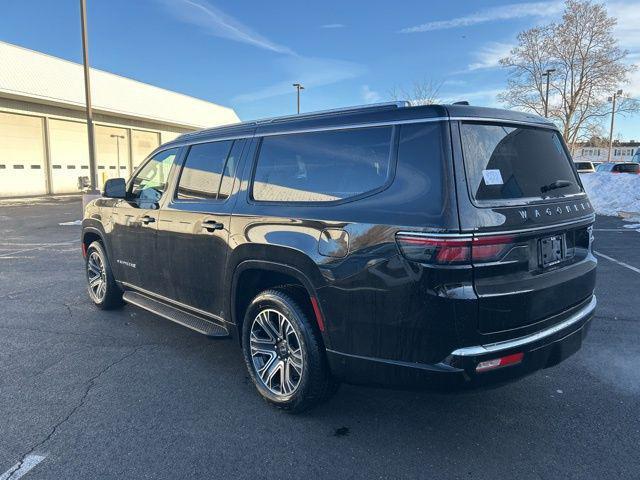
(118, 137)
(613, 116)
(87, 92)
(298, 88)
(547, 74)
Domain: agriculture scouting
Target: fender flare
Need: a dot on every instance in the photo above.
(280, 268)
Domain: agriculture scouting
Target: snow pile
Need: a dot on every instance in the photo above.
(613, 194)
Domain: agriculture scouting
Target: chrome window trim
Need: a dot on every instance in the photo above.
(527, 339)
(588, 218)
(575, 222)
(208, 136)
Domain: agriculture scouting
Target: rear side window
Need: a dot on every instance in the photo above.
(202, 172)
(505, 162)
(322, 166)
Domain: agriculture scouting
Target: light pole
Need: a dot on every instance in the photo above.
(87, 93)
(613, 116)
(298, 88)
(547, 74)
(118, 137)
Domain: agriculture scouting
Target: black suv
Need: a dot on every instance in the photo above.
(440, 246)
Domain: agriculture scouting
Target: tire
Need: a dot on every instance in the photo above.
(105, 294)
(298, 356)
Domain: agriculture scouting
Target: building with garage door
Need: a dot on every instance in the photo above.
(43, 132)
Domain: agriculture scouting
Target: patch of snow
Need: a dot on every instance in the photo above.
(75, 222)
(612, 194)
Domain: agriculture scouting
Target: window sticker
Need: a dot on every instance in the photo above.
(492, 177)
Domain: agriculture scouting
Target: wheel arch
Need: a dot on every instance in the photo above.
(250, 277)
(90, 235)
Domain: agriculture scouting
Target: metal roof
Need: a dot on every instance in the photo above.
(41, 78)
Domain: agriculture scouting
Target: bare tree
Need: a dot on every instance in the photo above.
(425, 92)
(589, 67)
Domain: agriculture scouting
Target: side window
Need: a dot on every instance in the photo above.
(322, 166)
(202, 172)
(151, 181)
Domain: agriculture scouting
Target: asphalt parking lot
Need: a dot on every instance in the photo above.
(124, 394)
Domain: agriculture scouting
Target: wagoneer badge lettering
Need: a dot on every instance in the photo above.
(577, 207)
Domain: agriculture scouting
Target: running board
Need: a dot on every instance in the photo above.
(186, 319)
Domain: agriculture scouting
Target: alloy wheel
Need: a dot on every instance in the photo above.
(276, 352)
(97, 277)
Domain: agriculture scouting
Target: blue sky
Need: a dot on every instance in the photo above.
(247, 54)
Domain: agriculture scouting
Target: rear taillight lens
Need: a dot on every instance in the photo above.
(491, 248)
(442, 250)
(435, 250)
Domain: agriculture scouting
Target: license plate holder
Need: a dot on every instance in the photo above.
(552, 250)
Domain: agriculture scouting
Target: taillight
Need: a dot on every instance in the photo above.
(435, 250)
(491, 248)
(443, 250)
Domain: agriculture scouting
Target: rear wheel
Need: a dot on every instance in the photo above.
(101, 284)
(284, 353)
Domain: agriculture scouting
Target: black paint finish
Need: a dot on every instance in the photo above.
(385, 319)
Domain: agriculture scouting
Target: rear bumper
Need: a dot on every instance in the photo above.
(542, 349)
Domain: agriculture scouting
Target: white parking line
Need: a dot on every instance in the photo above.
(19, 470)
(626, 265)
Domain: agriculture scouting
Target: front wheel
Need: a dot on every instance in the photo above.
(101, 284)
(284, 353)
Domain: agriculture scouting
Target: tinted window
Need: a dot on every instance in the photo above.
(322, 166)
(202, 171)
(508, 162)
(627, 168)
(151, 181)
(583, 165)
(423, 160)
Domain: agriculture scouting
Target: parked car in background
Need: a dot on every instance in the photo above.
(435, 246)
(621, 167)
(584, 167)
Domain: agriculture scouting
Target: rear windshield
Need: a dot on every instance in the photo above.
(507, 162)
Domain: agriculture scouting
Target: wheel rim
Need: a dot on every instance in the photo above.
(96, 276)
(276, 352)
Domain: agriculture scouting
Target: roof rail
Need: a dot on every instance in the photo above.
(318, 113)
(353, 108)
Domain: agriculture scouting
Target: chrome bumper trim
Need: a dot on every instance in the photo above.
(518, 342)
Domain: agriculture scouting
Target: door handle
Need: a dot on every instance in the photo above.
(211, 225)
(147, 219)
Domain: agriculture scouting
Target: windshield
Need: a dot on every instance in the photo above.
(516, 162)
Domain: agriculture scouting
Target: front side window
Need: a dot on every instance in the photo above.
(151, 181)
(507, 162)
(322, 166)
(202, 172)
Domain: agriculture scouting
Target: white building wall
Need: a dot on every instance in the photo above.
(43, 138)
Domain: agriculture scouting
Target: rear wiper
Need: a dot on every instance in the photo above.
(555, 185)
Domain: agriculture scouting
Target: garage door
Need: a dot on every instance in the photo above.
(21, 155)
(143, 144)
(69, 154)
(112, 153)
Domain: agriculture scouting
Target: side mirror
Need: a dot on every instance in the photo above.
(115, 188)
